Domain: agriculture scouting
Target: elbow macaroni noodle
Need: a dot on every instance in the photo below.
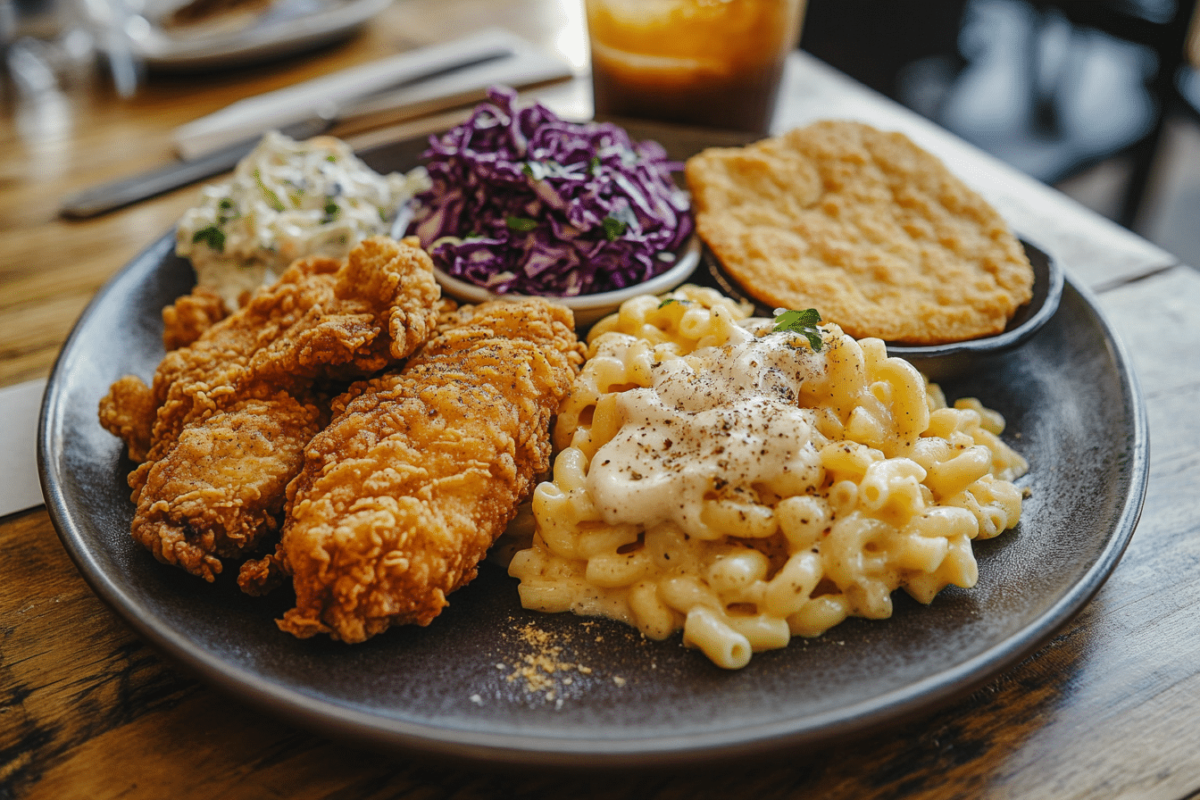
(720, 478)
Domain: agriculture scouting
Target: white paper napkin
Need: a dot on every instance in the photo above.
(20, 406)
(525, 65)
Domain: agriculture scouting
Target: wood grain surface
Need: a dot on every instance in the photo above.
(1108, 708)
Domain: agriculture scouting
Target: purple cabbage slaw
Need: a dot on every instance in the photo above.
(523, 202)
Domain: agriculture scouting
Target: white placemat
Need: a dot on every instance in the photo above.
(19, 409)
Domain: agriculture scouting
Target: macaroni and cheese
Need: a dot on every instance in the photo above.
(723, 478)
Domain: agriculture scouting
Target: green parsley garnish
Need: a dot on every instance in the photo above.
(670, 300)
(272, 198)
(212, 236)
(801, 322)
(613, 228)
(520, 224)
(226, 210)
(594, 165)
(331, 211)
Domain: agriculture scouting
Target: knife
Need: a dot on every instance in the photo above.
(126, 191)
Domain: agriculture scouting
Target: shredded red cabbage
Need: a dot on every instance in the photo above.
(523, 202)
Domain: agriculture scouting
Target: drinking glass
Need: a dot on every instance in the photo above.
(712, 63)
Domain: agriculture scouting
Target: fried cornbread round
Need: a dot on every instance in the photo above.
(864, 226)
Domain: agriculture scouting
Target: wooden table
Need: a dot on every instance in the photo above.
(1110, 707)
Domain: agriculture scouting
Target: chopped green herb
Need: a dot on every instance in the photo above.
(670, 300)
(594, 165)
(212, 236)
(613, 228)
(272, 198)
(801, 322)
(331, 158)
(226, 210)
(520, 224)
(330, 209)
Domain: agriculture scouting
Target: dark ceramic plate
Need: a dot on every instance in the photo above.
(1073, 410)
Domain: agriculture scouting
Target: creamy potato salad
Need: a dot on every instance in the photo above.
(287, 199)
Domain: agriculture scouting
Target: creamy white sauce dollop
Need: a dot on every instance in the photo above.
(711, 425)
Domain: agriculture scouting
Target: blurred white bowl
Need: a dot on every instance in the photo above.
(587, 307)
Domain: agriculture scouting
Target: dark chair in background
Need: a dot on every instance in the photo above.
(874, 41)
(1160, 27)
(912, 51)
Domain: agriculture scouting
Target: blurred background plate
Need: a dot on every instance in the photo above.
(239, 37)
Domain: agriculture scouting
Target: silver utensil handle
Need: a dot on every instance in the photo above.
(108, 196)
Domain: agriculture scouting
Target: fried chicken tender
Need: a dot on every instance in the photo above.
(222, 428)
(190, 316)
(222, 484)
(420, 470)
(130, 409)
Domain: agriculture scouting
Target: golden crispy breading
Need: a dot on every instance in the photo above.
(130, 407)
(420, 470)
(127, 411)
(251, 380)
(864, 226)
(190, 316)
(222, 486)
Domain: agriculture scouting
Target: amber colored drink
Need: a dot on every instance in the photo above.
(714, 63)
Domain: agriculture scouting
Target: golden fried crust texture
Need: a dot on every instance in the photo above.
(222, 428)
(864, 226)
(190, 316)
(223, 483)
(128, 412)
(420, 470)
